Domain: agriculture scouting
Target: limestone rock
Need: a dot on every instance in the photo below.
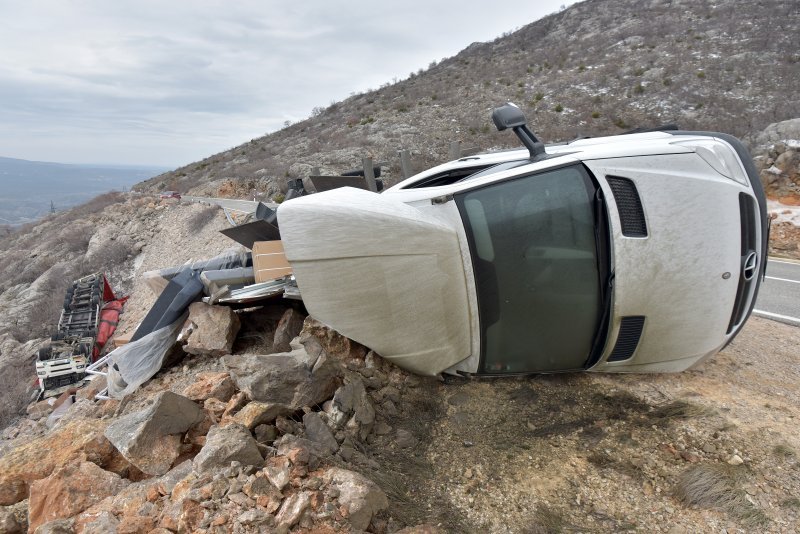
(318, 431)
(288, 328)
(285, 378)
(318, 338)
(278, 471)
(150, 439)
(70, 490)
(39, 409)
(225, 445)
(104, 523)
(362, 497)
(256, 413)
(9, 523)
(211, 385)
(352, 409)
(293, 508)
(215, 329)
(38, 458)
(59, 526)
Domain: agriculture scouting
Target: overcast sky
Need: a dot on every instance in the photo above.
(147, 82)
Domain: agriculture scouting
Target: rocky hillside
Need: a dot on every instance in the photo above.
(598, 67)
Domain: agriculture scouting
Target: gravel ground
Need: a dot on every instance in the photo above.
(610, 453)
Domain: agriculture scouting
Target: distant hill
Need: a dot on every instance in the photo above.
(597, 67)
(28, 187)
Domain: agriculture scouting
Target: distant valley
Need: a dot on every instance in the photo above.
(27, 188)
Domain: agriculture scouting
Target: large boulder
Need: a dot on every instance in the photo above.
(778, 131)
(288, 328)
(214, 331)
(294, 379)
(69, 491)
(150, 439)
(38, 458)
(359, 495)
(232, 443)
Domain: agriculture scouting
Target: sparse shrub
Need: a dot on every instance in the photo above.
(666, 82)
(620, 123)
(559, 108)
(718, 487)
(367, 120)
(701, 74)
(547, 521)
(639, 71)
(538, 96)
(200, 218)
(402, 108)
(639, 89)
(595, 114)
(783, 450)
(581, 68)
(679, 409)
(76, 238)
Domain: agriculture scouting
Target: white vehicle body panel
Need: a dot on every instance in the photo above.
(404, 298)
(681, 251)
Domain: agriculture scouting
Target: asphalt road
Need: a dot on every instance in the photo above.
(779, 296)
(244, 206)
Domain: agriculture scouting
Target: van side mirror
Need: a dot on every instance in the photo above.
(510, 116)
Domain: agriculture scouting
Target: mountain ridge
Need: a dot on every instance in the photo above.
(596, 68)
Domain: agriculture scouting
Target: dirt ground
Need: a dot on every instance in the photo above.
(714, 449)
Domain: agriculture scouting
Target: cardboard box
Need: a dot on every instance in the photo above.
(122, 339)
(269, 261)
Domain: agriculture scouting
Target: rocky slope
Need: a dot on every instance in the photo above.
(329, 438)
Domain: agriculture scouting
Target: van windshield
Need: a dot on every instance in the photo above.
(534, 254)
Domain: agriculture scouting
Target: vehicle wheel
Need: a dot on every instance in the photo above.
(95, 299)
(91, 333)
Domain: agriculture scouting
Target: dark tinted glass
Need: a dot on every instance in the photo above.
(535, 263)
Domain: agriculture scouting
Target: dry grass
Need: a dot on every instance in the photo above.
(718, 487)
(679, 409)
(783, 450)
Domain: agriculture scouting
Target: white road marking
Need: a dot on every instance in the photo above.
(770, 260)
(769, 315)
(782, 279)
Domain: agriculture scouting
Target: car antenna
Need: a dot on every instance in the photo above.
(510, 116)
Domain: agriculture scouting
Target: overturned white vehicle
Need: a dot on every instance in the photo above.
(633, 253)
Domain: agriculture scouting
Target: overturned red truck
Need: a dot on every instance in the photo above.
(89, 318)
